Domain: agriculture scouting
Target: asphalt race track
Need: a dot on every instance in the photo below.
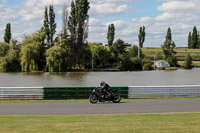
(85, 108)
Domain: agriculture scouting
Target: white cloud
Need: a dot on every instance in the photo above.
(119, 24)
(112, 1)
(108, 9)
(43, 3)
(183, 6)
(95, 22)
(7, 13)
(31, 15)
(180, 15)
(97, 26)
(174, 17)
(146, 19)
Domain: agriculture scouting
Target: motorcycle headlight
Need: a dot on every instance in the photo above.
(93, 91)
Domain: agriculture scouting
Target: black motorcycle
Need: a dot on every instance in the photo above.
(99, 95)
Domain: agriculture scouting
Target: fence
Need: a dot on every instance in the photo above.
(37, 93)
(20, 93)
(181, 91)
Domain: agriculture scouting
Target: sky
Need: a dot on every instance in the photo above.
(26, 17)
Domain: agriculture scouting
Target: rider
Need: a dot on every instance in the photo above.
(105, 88)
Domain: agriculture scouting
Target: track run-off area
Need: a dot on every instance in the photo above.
(86, 108)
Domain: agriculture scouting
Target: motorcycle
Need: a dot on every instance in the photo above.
(98, 95)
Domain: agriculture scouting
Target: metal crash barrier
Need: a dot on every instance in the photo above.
(48, 93)
(180, 91)
(54, 93)
(21, 93)
(77, 92)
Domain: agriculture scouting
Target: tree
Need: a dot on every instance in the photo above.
(198, 44)
(131, 63)
(118, 47)
(72, 24)
(9, 57)
(127, 64)
(57, 61)
(188, 62)
(147, 64)
(194, 42)
(87, 58)
(169, 45)
(32, 52)
(49, 25)
(168, 49)
(100, 55)
(52, 24)
(141, 36)
(46, 26)
(4, 48)
(78, 28)
(172, 61)
(111, 34)
(137, 63)
(7, 34)
(194, 39)
(58, 56)
(190, 40)
(133, 52)
(65, 21)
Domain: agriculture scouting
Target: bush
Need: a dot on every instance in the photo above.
(146, 61)
(188, 62)
(137, 63)
(172, 61)
(147, 64)
(133, 52)
(159, 56)
(127, 64)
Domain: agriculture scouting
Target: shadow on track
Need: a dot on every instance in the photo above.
(110, 103)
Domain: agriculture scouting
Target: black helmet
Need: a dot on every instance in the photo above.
(102, 83)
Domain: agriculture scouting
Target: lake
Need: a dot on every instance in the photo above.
(136, 78)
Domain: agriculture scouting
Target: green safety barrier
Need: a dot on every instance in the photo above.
(77, 92)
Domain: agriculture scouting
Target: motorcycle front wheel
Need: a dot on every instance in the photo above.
(116, 99)
(93, 99)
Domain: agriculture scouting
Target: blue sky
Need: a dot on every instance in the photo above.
(26, 16)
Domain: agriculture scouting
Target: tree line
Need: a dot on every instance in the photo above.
(42, 51)
(69, 50)
(194, 39)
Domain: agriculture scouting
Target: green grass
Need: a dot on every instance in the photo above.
(137, 123)
(178, 50)
(195, 63)
(181, 53)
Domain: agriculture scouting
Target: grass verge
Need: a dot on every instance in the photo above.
(137, 123)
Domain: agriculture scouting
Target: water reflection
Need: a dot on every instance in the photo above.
(141, 78)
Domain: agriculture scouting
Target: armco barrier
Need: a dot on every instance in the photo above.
(180, 91)
(77, 92)
(36, 93)
(21, 93)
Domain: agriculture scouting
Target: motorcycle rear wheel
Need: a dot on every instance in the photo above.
(116, 99)
(93, 99)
